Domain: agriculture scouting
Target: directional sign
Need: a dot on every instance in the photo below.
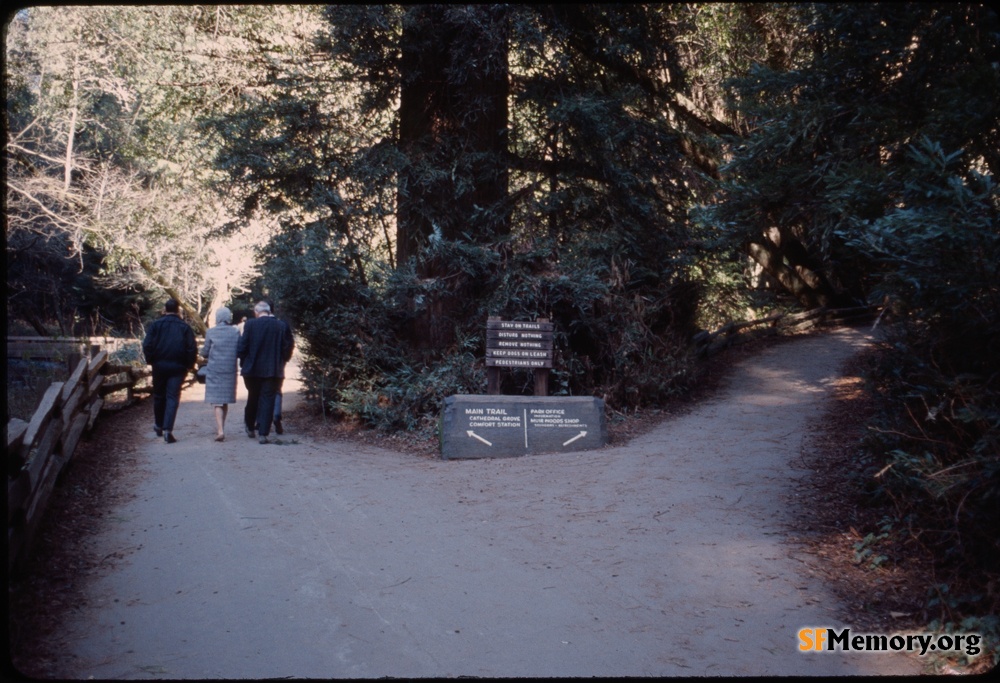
(475, 426)
(475, 436)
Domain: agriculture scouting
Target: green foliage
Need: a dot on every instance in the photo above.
(108, 160)
(938, 254)
(27, 382)
(584, 221)
(953, 609)
(866, 550)
(829, 138)
(335, 314)
(728, 289)
(411, 398)
(128, 353)
(613, 339)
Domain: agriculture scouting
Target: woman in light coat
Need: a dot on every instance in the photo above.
(220, 347)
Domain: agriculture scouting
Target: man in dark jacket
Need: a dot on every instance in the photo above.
(265, 346)
(171, 349)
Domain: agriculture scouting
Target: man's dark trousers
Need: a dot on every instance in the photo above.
(166, 396)
(259, 412)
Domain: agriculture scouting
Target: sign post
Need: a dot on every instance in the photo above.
(495, 426)
(515, 344)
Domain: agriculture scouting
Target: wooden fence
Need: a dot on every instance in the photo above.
(708, 343)
(68, 349)
(39, 450)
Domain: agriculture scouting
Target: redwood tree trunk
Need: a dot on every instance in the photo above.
(452, 125)
(453, 131)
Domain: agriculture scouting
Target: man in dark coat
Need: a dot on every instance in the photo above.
(265, 347)
(171, 349)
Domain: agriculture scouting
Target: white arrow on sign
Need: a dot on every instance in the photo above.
(578, 436)
(479, 438)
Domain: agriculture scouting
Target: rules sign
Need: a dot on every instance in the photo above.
(513, 344)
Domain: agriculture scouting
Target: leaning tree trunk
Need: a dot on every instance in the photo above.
(785, 258)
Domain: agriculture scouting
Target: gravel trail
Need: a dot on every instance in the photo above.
(667, 556)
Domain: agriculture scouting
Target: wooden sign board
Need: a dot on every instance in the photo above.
(519, 355)
(499, 339)
(516, 344)
(519, 325)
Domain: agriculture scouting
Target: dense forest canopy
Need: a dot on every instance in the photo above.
(391, 175)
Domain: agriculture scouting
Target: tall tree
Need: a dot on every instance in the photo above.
(467, 161)
(104, 150)
(829, 136)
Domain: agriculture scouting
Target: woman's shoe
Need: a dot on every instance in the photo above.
(220, 437)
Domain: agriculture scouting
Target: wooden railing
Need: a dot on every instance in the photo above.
(39, 450)
(708, 343)
(69, 349)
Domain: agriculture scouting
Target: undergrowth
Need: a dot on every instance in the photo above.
(937, 437)
(935, 446)
(387, 352)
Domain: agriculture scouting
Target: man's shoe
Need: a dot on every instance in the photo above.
(251, 434)
(158, 430)
(262, 439)
(169, 438)
(278, 429)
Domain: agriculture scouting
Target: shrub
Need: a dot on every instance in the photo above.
(939, 433)
(389, 351)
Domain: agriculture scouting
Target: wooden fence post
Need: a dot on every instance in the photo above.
(492, 373)
(39, 450)
(542, 374)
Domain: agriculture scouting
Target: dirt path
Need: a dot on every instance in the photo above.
(668, 556)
